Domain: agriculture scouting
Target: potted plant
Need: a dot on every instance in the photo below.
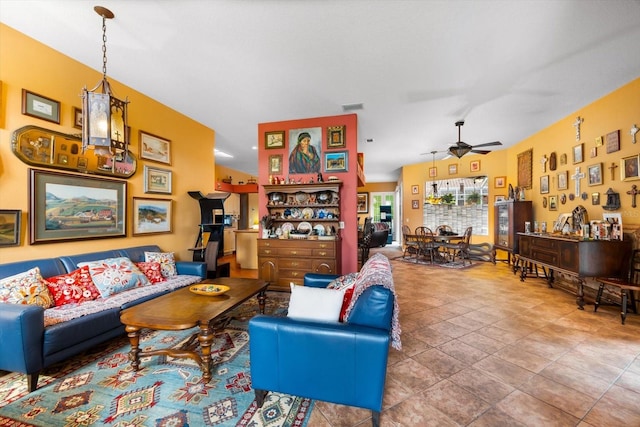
(448, 199)
(473, 198)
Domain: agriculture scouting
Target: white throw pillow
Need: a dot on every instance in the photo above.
(307, 303)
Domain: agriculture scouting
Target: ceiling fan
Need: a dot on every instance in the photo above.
(461, 148)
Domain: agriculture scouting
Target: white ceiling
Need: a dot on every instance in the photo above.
(509, 68)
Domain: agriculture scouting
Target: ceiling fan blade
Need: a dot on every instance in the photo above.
(488, 144)
(481, 151)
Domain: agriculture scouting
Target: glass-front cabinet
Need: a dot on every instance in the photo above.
(510, 216)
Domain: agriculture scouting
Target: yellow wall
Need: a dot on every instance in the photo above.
(617, 110)
(25, 63)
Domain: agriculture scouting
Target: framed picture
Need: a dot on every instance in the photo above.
(500, 182)
(335, 137)
(10, 227)
(453, 169)
(599, 141)
(474, 166)
(305, 150)
(433, 172)
(77, 118)
(363, 202)
(155, 148)
(82, 163)
(595, 174)
(41, 107)
(525, 169)
(151, 216)
(415, 204)
(544, 184)
(274, 139)
(335, 161)
(544, 202)
(415, 189)
(594, 152)
(499, 198)
(563, 180)
(613, 141)
(74, 207)
(595, 198)
(275, 164)
(578, 153)
(157, 180)
(629, 168)
(553, 203)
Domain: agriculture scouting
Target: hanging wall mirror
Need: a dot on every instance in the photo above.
(42, 147)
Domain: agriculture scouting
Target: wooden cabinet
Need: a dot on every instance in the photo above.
(578, 258)
(510, 216)
(282, 261)
(306, 220)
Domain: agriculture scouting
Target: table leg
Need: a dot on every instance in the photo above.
(133, 332)
(205, 338)
(580, 299)
(262, 298)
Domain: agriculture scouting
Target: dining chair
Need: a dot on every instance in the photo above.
(410, 245)
(443, 229)
(627, 285)
(426, 243)
(460, 248)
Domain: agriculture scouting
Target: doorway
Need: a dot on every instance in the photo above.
(384, 209)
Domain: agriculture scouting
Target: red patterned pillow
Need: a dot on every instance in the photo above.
(348, 294)
(74, 287)
(153, 271)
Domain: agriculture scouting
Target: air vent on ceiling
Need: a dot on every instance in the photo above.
(352, 107)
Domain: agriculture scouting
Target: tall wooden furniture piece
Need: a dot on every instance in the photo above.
(282, 261)
(510, 216)
(577, 258)
(211, 226)
(627, 284)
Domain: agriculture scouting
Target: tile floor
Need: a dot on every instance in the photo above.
(481, 348)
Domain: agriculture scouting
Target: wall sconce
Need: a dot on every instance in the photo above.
(104, 117)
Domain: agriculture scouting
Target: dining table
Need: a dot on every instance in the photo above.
(430, 242)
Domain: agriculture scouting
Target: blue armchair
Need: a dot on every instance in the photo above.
(343, 363)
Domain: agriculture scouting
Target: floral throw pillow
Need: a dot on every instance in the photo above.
(73, 288)
(114, 275)
(167, 262)
(152, 270)
(26, 288)
(346, 283)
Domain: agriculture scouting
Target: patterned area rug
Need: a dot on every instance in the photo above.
(100, 388)
(456, 264)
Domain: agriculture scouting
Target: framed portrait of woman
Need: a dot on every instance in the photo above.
(305, 150)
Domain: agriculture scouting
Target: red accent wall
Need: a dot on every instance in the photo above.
(348, 202)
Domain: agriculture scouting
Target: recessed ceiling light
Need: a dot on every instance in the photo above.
(219, 153)
(254, 147)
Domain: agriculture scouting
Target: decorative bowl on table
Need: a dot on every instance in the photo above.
(209, 289)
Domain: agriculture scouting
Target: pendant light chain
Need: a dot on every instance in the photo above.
(104, 48)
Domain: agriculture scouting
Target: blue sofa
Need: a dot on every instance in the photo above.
(344, 363)
(27, 346)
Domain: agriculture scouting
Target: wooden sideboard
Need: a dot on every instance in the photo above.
(577, 258)
(282, 261)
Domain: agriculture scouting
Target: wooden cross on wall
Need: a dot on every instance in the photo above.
(543, 162)
(633, 131)
(577, 177)
(633, 193)
(612, 168)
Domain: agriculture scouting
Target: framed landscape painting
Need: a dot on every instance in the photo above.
(151, 216)
(10, 227)
(74, 207)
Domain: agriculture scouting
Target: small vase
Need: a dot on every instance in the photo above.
(265, 234)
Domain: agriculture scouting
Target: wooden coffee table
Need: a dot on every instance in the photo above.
(183, 309)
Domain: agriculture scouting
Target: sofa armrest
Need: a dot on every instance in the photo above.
(319, 280)
(192, 268)
(334, 362)
(21, 335)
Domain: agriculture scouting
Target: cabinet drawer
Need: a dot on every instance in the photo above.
(323, 253)
(548, 244)
(548, 257)
(295, 252)
(324, 266)
(294, 263)
(290, 274)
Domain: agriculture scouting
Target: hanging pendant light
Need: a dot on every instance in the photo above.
(104, 117)
(434, 184)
